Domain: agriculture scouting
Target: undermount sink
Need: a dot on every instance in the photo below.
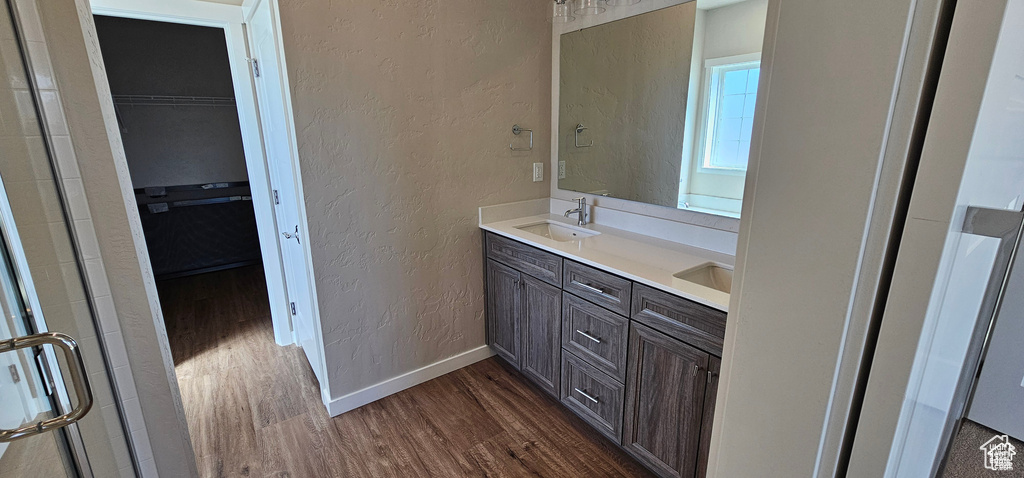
(713, 275)
(557, 231)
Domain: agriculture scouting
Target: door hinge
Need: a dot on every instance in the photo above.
(255, 67)
(277, 197)
(15, 376)
(46, 377)
(293, 308)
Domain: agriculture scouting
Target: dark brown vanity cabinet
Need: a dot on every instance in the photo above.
(710, 394)
(664, 401)
(540, 334)
(503, 311)
(638, 364)
(524, 322)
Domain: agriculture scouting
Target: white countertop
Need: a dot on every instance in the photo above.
(643, 259)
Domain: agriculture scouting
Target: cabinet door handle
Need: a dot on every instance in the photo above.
(586, 395)
(696, 368)
(592, 289)
(591, 337)
(711, 376)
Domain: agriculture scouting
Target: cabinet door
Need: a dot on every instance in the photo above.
(664, 402)
(710, 395)
(503, 311)
(540, 320)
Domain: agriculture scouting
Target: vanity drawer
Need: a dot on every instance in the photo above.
(542, 265)
(604, 289)
(593, 395)
(696, 324)
(596, 335)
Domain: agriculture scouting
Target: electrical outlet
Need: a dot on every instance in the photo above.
(538, 172)
(561, 170)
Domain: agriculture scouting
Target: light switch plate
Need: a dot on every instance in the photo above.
(538, 172)
(561, 170)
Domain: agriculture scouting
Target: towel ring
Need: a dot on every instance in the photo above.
(516, 129)
(579, 129)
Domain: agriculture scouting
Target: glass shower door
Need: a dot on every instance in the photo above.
(28, 378)
(59, 410)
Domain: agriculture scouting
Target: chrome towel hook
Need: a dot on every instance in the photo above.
(579, 129)
(516, 129)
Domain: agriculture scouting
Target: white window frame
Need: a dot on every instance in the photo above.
(709, 103)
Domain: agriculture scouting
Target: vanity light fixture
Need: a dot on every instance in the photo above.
(563, 13)
(621, 3)
(588, 7)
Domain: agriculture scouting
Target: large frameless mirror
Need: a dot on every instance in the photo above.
(659, 107)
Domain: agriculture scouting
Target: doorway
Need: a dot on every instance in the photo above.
(175, 105)
(182, 130)
(270, 152)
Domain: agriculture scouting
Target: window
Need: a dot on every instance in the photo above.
(731, 90)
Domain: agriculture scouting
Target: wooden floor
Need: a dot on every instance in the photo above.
(254, 408)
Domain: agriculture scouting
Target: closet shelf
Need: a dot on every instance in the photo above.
(157, 100)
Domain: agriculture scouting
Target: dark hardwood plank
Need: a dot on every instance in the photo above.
(254, 408)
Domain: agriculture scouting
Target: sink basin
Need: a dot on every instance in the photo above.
(557, 231)
(713, 275)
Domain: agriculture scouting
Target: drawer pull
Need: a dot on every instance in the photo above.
(594, 289)
(586, 395)
(591, 337)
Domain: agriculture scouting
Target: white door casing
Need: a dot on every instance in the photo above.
(285, 179)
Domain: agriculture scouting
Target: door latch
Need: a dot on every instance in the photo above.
(289, 235)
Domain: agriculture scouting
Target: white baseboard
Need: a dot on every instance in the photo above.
(356, 399)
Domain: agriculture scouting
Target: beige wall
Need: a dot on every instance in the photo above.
(403, 112)
(627, 82)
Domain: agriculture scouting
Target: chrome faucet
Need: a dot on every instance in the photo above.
(581, 209)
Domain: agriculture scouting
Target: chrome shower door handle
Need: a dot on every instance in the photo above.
(79, 380)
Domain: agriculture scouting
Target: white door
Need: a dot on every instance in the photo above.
(284, 177)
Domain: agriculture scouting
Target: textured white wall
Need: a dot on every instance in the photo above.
(403, 112)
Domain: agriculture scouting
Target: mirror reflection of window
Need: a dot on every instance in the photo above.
(727, 67)
(731, 93)
(667, 98)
